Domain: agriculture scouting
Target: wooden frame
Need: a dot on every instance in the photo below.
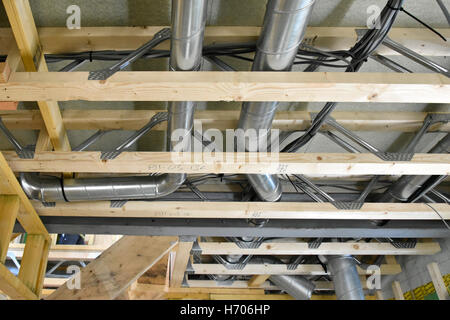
(62, 40)
(27, 39)
(228, 86)
(248, 163)
(327, 248)
(239, 210)
(266, 269)
(81, 119)
(37, 84)
(14, 204)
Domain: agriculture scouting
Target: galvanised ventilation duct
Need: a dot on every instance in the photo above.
(406, 186)
(188, 26)
(347, 284)
(283, 30)
(298, 287)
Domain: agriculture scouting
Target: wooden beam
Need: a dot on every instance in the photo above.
(63, 40)
(80, 119)
(249, 163)
(5, 72)
(65, 252)
(248, 210)
(227, 86)
(397, 289)
(27, 39)
(27, 216)
(13, 287)
(326, 248)
(379, 295)
(29, 272)
(117, 268)
(438, 282)
(269, 269)
(257, 280)
(182, 256)
(9, 207)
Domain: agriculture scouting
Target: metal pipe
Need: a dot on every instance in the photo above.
(341, 142)
(427, 63)
(391, 64)
(283, 30)
(349, 134)
(188, 24)
(298, 287)
(406, 186)
(345, 277)
(444, 10)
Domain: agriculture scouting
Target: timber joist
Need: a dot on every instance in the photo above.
(247, 210)
(63, 40)
(236, 163)
(81, 119)
(228, 86)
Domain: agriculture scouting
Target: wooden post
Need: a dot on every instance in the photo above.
(27, 39)
(398, 293)
(182, 257)
(379, 295)
(9, 207)
(257, 280)
(438, 281)
(117, 268)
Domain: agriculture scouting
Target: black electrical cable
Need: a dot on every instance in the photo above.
(359, 53)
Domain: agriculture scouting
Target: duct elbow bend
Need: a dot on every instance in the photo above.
(169, 184)
(42, 188)
(345, 277)
(268, 187)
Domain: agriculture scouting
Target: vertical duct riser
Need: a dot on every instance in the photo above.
(188, 27)
(283, 30)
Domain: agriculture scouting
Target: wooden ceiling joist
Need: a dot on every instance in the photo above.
(63, 40)
(327, 248)
(27, 39)
(81, 119)
(247, 210)
(249, 163)
(229, 86)
(269, 269)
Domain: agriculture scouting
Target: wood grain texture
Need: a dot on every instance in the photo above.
(28, 43)
(247, 210)
(117, 268)
(250, 163)
(80, 119)
(327, 248)
(9, 207)
(13, 287)
(183, 254)
(27, 216)
(62, 40)
(228, 86)
(266, 269)
(438, 282)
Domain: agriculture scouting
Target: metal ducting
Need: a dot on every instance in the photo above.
(406, 186)
(298, 287)
(188, 26)
(345, 277)
(283, 30)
